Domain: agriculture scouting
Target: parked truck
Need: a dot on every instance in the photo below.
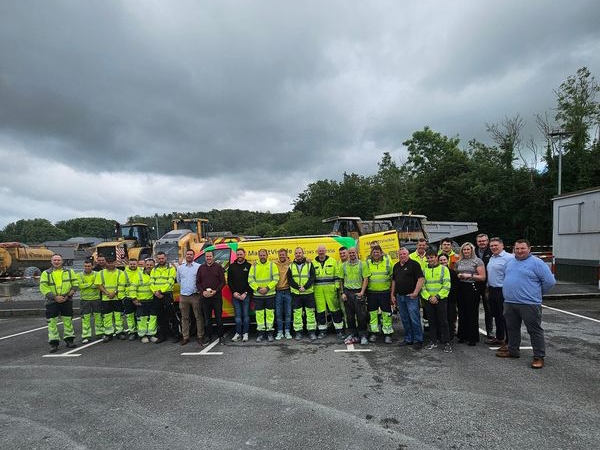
(132, 241)
(20, 260)
(187, 234)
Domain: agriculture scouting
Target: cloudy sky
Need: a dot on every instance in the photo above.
(113, 108)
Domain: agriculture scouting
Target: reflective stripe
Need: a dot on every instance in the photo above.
(300, 272)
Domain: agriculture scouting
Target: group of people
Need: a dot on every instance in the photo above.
(451, 287)
(298, 294)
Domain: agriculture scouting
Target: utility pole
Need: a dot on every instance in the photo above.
(560, 134)
(156, 217)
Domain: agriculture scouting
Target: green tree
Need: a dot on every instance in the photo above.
(33, 231)
(88, 226)
(577, 112)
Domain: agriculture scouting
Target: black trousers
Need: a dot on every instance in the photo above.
(468, 312)
(356, 313)
(210, 305)
(166, 312)
(438, 320)
(496, 302)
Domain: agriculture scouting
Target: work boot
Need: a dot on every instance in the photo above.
(270, 337)
(364, 340)
(373, 338)
(321, 334)
(70, 344)
(145, 340)
(312, 336)
(121, 336)
(222, 341)
(260, 337)
(53, 348)
(107, 338)
(388, 339)
(339, 334)
(155, 340)
(85, 341)
(298, 335)
(132, 336)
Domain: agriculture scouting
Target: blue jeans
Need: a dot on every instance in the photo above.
(242, 314)
(283, 309)
(411, 318)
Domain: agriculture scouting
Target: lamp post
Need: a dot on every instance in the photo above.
(156, 217)
(560, 134)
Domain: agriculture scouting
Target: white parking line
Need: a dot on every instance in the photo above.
(205, 351)
(571, 314)
(350, 349)
(71, 353)
(31, 331)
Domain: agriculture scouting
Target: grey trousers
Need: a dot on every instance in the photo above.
(514, 314)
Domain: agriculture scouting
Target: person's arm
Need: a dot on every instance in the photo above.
(545, 276)
(418, 287)
(221, 277)
(291, 280)
(273, 283)
(199, 284)
(312, 276)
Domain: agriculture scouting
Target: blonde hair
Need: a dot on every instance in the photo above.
(471, 246)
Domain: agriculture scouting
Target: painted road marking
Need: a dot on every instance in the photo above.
(71, 353)
(350, 348)
(571, 314)
(35, 329)
(520, 348)
(205, 351)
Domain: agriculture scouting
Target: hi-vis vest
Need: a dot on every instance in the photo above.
(143, 292)
(353, 274)
(437, 282)
(262, 275)
(163, 278)
(381, 274)
(58, 282)
(301, 275)
(130, 281)
(87, 286)
(112, 280)
(325, 272)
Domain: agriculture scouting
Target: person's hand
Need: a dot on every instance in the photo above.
(433, 300)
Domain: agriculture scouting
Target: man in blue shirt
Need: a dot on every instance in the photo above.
(495, 279)
(189, 296)
(526, 279)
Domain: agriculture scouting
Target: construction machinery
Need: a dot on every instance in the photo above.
(411, 227)
(355, 227)
(133, 241)
(21, 260)
(187, 234)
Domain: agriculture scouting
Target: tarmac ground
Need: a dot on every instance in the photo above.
(300, 395)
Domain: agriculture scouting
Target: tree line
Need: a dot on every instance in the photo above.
(506, 187)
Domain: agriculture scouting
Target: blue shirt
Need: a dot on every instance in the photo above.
(496, 267)
(186, 277)
(526, 280)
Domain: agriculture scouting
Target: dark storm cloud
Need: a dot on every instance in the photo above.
(266, 96)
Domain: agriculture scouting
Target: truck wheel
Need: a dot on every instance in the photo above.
(29, 275)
